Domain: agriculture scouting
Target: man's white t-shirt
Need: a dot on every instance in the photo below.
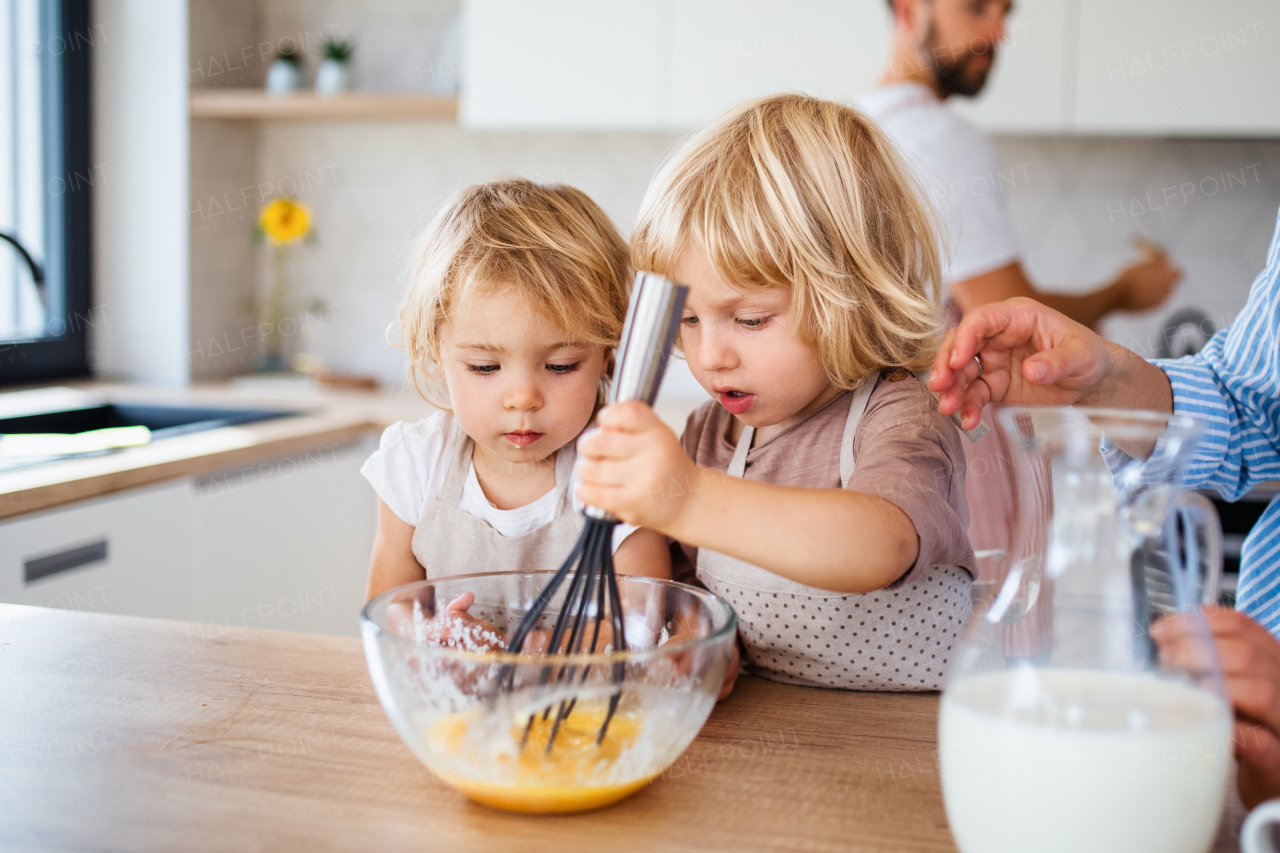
(958, 167)
(408, 469)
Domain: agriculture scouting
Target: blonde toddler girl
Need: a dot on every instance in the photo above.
(518, 293)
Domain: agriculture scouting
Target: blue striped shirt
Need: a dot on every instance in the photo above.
(1233, 386)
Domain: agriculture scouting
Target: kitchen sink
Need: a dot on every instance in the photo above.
(163, 421)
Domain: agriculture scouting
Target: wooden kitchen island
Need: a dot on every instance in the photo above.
(124, 733)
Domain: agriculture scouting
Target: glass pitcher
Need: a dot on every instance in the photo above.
(1061, 728)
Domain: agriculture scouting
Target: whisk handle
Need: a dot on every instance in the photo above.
(653, 318)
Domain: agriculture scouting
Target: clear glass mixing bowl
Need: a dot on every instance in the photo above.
(475, 734)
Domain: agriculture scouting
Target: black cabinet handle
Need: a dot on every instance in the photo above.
(41, 567)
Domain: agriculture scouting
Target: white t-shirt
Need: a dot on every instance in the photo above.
(408, 469)
(957, 164)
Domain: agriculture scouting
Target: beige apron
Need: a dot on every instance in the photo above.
(451, 541)
(900, 638)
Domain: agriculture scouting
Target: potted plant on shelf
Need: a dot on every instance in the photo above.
(282, 223)
(334, 75)
(285, 74)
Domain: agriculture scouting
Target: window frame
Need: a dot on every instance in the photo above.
(66, 100)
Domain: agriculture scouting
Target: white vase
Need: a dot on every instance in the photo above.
(283, 77)
(333, 77)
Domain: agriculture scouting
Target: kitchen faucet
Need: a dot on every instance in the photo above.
(37, 273)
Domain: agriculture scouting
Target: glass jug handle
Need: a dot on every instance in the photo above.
(1199, 585)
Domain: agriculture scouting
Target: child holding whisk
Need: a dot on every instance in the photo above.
(821, 492)
(518, 293)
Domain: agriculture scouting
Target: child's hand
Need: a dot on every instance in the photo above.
(686, 626)
(455, 628)
(633, 466)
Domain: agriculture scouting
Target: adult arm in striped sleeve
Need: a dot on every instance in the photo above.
(1233, 385)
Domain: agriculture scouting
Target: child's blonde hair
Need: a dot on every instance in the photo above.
(550, 241)
(793, 191)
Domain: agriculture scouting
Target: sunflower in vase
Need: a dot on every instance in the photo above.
(282, 223)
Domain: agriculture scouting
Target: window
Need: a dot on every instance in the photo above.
(46, 177)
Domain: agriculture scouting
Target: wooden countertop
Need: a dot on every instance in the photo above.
(137, 734)
(331, 417)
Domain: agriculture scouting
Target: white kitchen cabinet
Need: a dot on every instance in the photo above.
(1029, 89)
(563, 63)
(723, 52)
(1178, 67)
(284, 543)
(276, 543)
(1067, 66)
(128, 553)
(651, 64)
(727, 51)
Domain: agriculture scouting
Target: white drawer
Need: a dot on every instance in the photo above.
(128, 553)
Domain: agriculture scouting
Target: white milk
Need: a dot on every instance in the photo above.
(1076, 761)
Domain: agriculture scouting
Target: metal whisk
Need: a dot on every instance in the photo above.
(653, 318)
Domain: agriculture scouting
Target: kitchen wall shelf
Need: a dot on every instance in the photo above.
(256, 105)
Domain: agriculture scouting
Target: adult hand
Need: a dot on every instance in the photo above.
(634, 467)
(1031, 356)
(1147, 283)
(1250, 658)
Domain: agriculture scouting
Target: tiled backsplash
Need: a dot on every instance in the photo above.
(1076, 204)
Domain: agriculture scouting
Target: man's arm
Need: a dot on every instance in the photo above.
(1143, 285)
